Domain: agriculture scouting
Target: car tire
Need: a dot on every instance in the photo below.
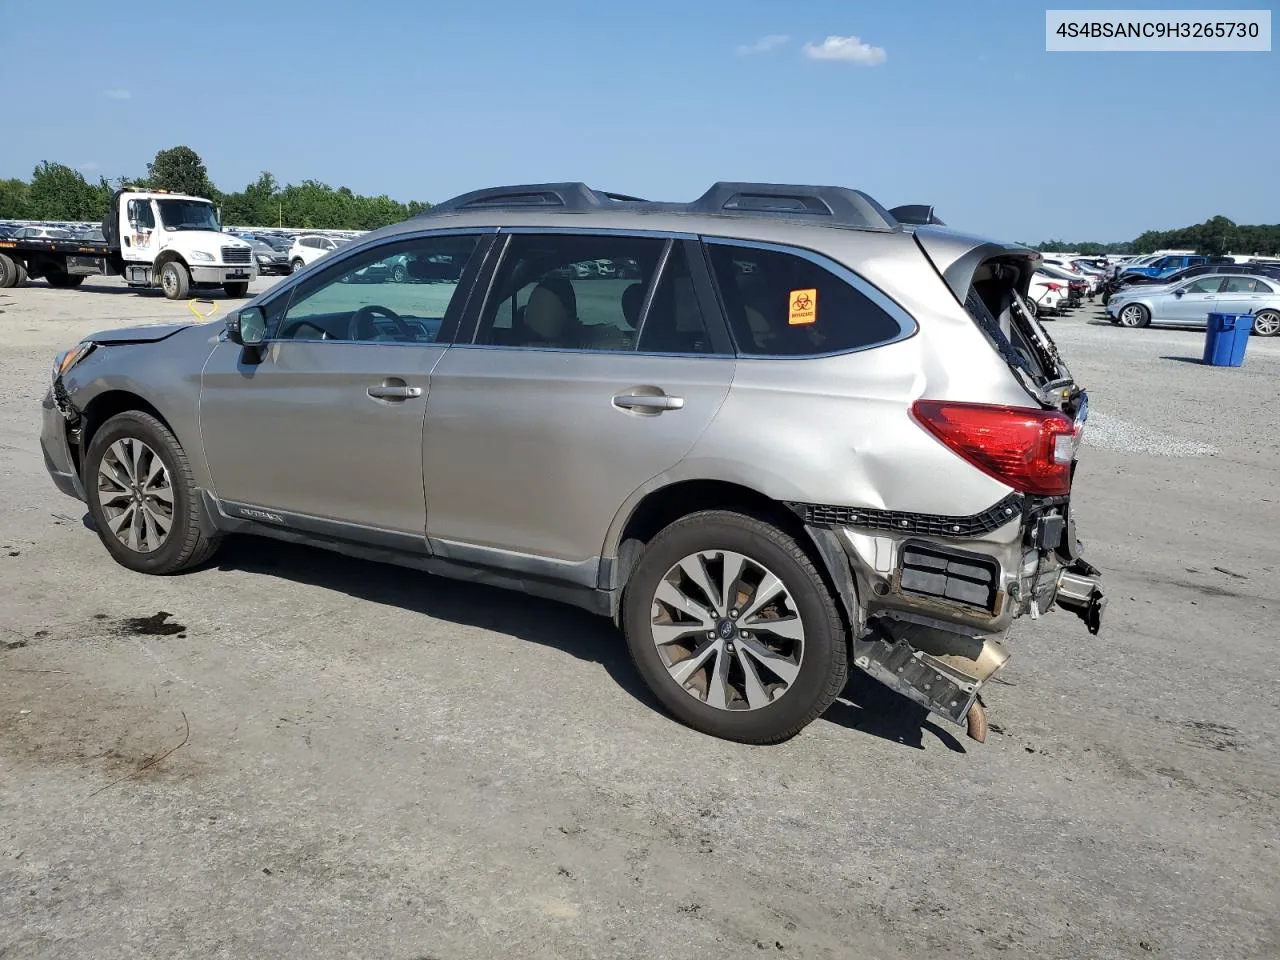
(236, 289)
(22, 274)
(1134, 315)
(398, 273)
(1266, 323)
(130, 443)
(175, 280)
(298, 264)
(811, 658)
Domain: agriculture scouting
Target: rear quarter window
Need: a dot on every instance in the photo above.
(785, 304)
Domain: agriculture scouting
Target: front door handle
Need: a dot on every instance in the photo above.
(648, 401)
(394, 391)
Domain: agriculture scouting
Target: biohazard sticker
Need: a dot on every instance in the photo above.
(803, 307)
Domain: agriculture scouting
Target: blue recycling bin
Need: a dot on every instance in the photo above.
(1226, 337)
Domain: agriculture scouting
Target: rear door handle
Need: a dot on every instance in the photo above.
(388, 391)
(648, 401)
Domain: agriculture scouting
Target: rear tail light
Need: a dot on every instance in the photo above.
(1055, 287)
(1030, 450)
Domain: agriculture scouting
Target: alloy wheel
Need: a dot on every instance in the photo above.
(136, 495)
(727, 630)
(1132, 315)
(1266, 323)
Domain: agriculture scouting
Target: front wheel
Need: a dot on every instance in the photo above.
(1266, 323)
(142, 497)
(236, 289)
(297, 265)
(1134, 315)
(733, 629)
(175, 280)
(398, 274)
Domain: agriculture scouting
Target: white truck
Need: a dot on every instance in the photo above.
(153, 239)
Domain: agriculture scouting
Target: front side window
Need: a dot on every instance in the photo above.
(784, 304)
(140, 215)
(1205, 285)
(393, 293)
(570, 292)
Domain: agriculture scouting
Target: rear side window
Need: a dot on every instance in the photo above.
(786, 305)
(1245, 285)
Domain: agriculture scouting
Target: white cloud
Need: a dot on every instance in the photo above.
(89, 166)
(848, 49)
(763, 45)
(117, 94)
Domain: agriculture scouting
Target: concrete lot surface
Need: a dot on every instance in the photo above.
(292, 754)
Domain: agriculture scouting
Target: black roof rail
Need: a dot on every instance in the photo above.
(916, 214)
(567, 197)
(839, 206)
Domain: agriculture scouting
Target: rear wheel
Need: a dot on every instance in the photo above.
(8, 271)
(1134, 315)
(175, 280)
(63, 280)
(1266, 323)
(733, 629)
(236, 289)
(142, 497)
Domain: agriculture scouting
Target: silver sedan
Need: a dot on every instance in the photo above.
(1190, 303)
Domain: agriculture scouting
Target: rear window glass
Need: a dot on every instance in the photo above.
(785, 305)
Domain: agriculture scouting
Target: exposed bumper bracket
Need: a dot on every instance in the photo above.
(1080, 591)
(938, 670)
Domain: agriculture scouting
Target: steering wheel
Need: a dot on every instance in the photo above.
(363, 318)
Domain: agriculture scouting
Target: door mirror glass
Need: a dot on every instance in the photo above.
(1178, 293)
(248, 327)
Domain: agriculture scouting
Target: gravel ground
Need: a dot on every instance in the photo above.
(293, 754)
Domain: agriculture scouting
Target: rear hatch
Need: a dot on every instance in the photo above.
(991, 280)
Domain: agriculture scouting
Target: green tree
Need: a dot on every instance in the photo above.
(57, 192)
(180, 170)
(13, 200)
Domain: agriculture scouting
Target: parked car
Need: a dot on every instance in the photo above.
(309, 248)
(1077, 286)
(270, 260)
(1200, 270)
(839, 456)
(1189, 303)
(1049, 295)
(42, 233)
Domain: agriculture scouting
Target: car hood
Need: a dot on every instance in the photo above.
(148, 334)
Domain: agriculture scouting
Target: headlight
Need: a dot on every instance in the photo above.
(264, 258)
(201, 255)
(69, 358)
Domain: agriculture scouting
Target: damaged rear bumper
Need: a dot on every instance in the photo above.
(929, 598)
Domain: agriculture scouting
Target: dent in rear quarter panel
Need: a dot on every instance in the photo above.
(165, 374)
(838, 430)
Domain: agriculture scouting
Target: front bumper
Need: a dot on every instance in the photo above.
(56, 449)
(225, 273)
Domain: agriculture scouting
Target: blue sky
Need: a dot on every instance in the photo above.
(954, 103)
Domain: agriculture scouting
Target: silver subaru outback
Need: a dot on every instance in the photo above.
(772, 433)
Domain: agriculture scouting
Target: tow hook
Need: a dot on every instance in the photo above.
(1080, 591)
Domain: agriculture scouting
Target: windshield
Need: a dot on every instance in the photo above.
(187, 215)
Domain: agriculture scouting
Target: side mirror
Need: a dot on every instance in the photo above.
(248, 329)
(1179, 293)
